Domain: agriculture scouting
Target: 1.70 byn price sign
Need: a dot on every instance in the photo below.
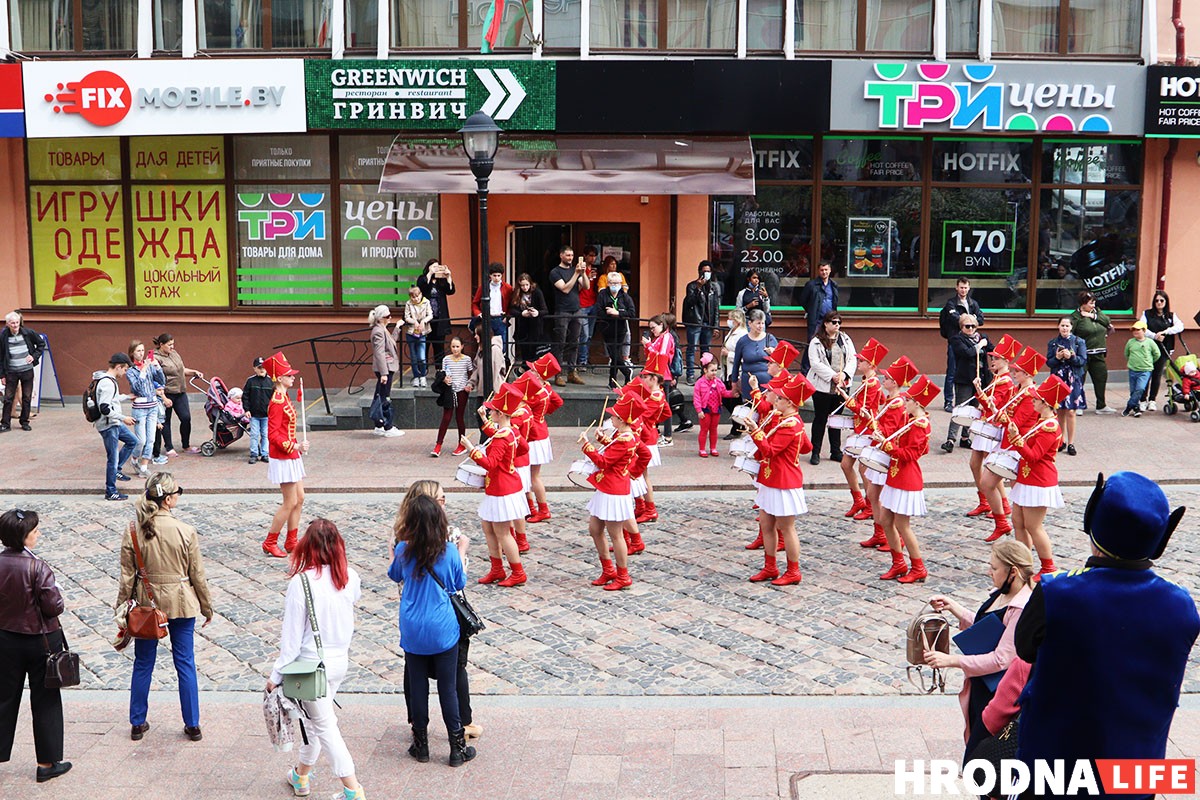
(978, 248)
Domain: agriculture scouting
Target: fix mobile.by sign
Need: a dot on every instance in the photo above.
(94, 98)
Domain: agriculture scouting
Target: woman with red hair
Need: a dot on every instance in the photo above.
(319, 571)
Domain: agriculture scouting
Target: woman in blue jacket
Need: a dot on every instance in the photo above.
(1066, 356)
(429, 629)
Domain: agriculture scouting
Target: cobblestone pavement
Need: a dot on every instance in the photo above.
(691, 624)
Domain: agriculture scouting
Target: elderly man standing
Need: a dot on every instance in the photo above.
(20, 351)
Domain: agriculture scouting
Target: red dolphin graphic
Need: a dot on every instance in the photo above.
(72, 284)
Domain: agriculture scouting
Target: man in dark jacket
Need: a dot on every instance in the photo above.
(615, 309)
(960, 303)
(818, 297)
(701, 314)
(20, 351)
(256, 399)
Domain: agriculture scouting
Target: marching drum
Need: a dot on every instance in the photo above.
(965, 415)
(579, 471)
(747, 465)
(843, 420)
(1003, 463)
(471, 474)
(743, 447)
(856, 443)
(744, 414)
(874, 458)
(993, 433)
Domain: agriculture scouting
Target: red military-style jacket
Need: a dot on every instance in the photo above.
(1022, 413)
(614, 462)
(994, 396)
(1038, 449)
(543, 403)
(890, 416)
(779, 449)
(643, 455)
(657, 411)
(281, 428)
(758, 399)
(499, 459)
(906, 451)
(522, 419)
(866, 403)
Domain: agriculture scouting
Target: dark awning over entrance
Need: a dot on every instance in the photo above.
(577, 165)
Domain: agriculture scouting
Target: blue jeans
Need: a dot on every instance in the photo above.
(587, 326)
(416, 355)
(697, 336)
(1138, 381)
(948, 389)
(145, 421)
(117, 434)
(258, 436)
(443, 667)
(182, 632)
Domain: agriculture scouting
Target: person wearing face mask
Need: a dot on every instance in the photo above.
(701, 314)
(755, 297)
(616, 309)
(499, 301)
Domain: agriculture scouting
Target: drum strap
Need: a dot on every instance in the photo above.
(1017, 395)
(1037, 427)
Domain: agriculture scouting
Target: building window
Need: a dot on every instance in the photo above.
(826, 25)
(560, 23)
(665, 24)
(238, 24)
(892, 26)
(962, 27)
(764, 25)
(168, 25)
(73, 25)
(1060, 27)
(459, 24)
(362, 24)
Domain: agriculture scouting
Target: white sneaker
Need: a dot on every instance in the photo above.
(1079, 412)
(1142, 406)
(377, 432)
(424, 383)
(1106, 410)
(392, 433)
(1151, 406)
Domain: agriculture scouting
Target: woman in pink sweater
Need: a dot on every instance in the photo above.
(709, 392)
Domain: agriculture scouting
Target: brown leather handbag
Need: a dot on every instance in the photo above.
(144, 622)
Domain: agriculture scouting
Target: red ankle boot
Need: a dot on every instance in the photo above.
(859, 502)
(639, 506)
(898, 570)
(757, 544)
(878, 538)
(620, 581)
(635, 544)
(866, 512)
(532, 506)
(289, 544)
(270, 546)
(516, 578)
(649, 514)
(769, 572)
(982, 508)
(496, 573)
(521, 539)
(917, 574)
(1003, 528)
(1047, 569)
(1007, 507)
(607, 572)
(790, 577)
(779, 546)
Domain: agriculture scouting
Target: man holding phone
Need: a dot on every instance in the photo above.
(568, 317)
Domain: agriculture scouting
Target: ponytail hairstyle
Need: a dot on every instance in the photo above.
(322, 546)
(159, 487)
(422, 488)
(379, 312)
(1012, 553)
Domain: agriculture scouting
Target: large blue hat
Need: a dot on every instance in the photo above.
(1128, 517)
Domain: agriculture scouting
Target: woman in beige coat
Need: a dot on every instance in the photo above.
(384, 360)
(170, 552)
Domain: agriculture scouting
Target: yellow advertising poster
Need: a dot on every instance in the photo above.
(179, 243)
(74, 159)
(78, 245)
(176, 158)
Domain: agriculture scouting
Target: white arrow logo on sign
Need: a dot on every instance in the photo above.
(500, 82)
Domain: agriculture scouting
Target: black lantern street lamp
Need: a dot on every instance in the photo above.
(481, 137)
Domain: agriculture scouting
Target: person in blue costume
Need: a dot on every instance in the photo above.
(1109, 643)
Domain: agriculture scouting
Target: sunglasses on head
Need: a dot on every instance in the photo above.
(20, 514)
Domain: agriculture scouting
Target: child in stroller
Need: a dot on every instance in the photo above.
(1183, 386)
(227, 420)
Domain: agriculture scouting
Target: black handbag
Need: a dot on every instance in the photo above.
(62, 668)
(675, 399)
(469, 622)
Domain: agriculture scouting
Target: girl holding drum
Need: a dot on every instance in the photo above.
(1036, 488)
(655, 373)
(542, 401)
(991, 399)
(521, 421)
(768, 417)
(864, 403)
(888, 419)
(1018, 409)
(503, 500)
(903, 496)
(612, 504)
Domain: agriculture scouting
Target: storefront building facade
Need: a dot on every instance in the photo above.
(234, 200)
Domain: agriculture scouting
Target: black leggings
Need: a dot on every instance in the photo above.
(463, 684)
(1156, 375)
(459, 412)
(179, 405)
(24, 655)
(823, 405)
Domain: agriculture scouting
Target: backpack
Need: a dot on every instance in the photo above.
(92, 410)
(929, 630)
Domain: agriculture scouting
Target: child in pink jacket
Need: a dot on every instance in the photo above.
(709, 391)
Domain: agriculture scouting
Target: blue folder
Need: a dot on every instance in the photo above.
(983, 637)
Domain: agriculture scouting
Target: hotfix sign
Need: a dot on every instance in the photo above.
(1173, 102)
(429, 95)
(134, 98)
(973, 97)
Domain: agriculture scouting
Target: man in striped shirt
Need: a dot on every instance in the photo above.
(20, 351)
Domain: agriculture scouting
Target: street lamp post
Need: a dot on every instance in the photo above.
(481, 137)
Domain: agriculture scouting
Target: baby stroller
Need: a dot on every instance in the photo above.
(226, 428)
(1176, 399)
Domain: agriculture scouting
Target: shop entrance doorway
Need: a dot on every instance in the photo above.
(533, 248)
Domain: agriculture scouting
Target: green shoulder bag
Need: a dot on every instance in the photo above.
(304, 678)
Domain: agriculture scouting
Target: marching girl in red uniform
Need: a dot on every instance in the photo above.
(864, 403)
(903, 495)
(543, 401)
(637, 471)
(888, 418)
(778, 360)
(990, 401)
(764, 399)
(781, 480)
(1019, 409)
(654, 373)
(286, 468)
(612, 504)
(503, 500)
(1036, 489)
(521, 421)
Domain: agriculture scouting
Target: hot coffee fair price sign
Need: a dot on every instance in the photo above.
(978, 248)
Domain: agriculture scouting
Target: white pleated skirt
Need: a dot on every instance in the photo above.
(526, 479)
(876, 477)
(610, 507)
(655, 456)
(505, 508)
(984, 444)
(285, 470)
(540, 452)
(781, 502)
(637, 486)
(1035, 496)
(899, 501)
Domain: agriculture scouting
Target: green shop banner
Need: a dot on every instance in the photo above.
(423, 94)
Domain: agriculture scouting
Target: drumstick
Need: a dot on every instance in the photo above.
(303, 413)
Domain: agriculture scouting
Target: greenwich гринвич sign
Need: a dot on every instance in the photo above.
(418, 94)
